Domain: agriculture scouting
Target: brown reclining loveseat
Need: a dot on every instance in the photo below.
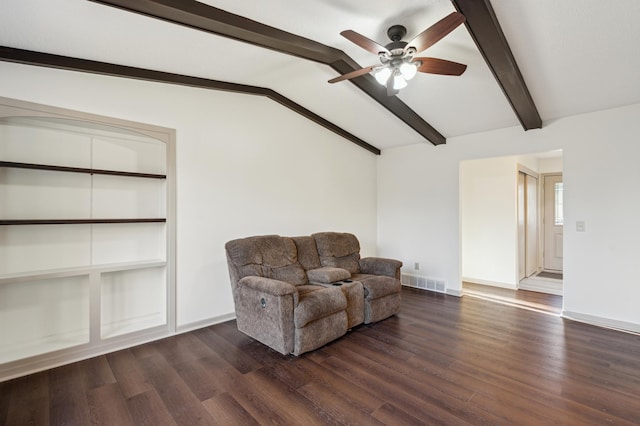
(297, 294)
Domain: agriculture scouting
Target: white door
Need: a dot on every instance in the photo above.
(553, 222)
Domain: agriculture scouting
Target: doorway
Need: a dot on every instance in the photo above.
(548, 277)
(498, 208)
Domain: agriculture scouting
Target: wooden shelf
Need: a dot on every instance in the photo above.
(79, 170)
(76, 221)
(79, 270)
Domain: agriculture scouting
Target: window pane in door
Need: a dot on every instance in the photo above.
(559, 215)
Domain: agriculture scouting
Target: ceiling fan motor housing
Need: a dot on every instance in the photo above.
(396, 33)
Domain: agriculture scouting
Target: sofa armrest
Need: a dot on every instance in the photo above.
(380, 266)
(264, 311)
(268, 285)
(327, 275)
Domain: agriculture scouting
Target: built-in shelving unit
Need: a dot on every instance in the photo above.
(88, 236)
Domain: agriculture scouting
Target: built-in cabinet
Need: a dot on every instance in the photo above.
(86, 235)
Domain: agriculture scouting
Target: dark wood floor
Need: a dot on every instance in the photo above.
(442, 360)
(534, 301)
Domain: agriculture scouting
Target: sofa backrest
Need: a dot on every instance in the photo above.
(270, 256)
(338, 250)
(307, 252)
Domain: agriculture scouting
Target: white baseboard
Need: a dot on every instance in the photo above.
(183, 328)
(602, 322)
(454, 292)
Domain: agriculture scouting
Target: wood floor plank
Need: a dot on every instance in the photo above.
(434, 377)
(291, 406)
(232, 354)
(226, 411)
(127, 372)
(6, 389)
(499, 360)
(183, 405)
(256, 404)
(148, 409)
(389, 414)
(207, 377)
(356, 368)
(145, 351)
(182, 348)
(97, 372)
(27, 402)
(68, 401)
(362, 398)
(107, 406)
(338, 405)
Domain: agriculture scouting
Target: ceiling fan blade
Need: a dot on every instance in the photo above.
(363, 42)
(437, 31)
(440, 66)
(353, 74)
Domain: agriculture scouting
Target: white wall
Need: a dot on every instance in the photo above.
(418, 206)
(550, 165)
(489, 221)
(245, 166)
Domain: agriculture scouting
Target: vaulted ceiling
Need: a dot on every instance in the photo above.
(528, 62)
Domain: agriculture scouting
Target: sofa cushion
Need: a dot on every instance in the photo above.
(327, 274)
(270, 256)
(317, 303)
(307, 252)
(376, 286)
(338, 250)
(293, 274)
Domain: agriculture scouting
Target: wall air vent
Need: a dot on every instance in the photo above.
(424, 283)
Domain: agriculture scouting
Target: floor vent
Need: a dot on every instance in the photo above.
(424, 283)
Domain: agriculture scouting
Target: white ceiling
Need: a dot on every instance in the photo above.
(576, 56)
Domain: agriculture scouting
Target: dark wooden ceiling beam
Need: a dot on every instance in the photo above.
(30, 57)
(488, 36)
(203, 17)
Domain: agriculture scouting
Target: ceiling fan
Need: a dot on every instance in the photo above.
(397, 61)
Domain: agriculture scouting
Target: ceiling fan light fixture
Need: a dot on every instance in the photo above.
(382, 75)
(408, 70)
(399, 81)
